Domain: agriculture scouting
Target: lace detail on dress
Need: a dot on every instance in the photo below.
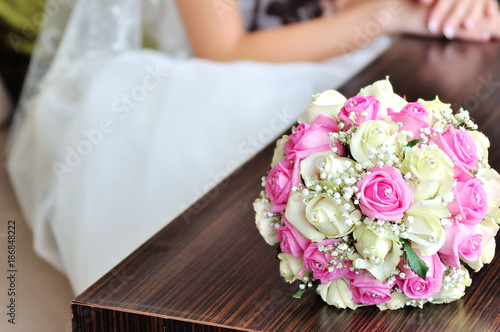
(76, 30)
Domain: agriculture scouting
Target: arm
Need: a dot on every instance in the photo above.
(216, 32)
(219, 34)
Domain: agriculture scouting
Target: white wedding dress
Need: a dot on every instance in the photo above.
(111, 141)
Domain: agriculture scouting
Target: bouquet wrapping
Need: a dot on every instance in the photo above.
(378, 201)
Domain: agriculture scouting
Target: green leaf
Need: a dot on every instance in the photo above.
(413, 143)
(315, 284)
(417, 265)
(298, 295)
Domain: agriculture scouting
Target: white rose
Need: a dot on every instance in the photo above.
(382, 90)
(325, 165)
(453, 290)
(482, 144)
(309, 167)
(327, 216)
(437, 112)
(264, 223)
(379, 135)
(337, 293)
(488, 228)
(295, 213)
(426, 231)
(379, 249)
(433, 170)
(490, 179)
(279, 153)
(328, 103)
(290, 267)
(397, 301)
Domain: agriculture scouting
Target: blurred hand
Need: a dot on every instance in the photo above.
(479, 18)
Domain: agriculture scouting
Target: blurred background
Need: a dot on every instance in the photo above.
(43, 295)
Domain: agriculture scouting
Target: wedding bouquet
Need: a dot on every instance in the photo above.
(378, 201)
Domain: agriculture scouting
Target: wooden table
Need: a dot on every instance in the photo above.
(209, 270)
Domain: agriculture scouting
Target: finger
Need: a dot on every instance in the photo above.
(475, 15)
(481, 32)
(495, 29)
(492, 8)
(426, 2)
(479, 35)
(438, 13)
(458, 15)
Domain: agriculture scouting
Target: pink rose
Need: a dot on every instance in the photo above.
(384, 194)
(358, 105)
(461, 242)
(309, 138)
(279, 184)
(413, 117)
(320, 261)
(292, 241)
(366, 289)
(460, 147)
(470, 202)
(417, 288)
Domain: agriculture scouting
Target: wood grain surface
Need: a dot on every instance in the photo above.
(210, 270)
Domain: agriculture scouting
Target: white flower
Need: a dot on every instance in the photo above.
(382, 90)
(290, 267)
(279, 153)
(488, 228)
(482, 144)
(426, 231)
(326, 216)
(371, 135)
(337, 293)
(379, 249)
(397, 301)
(453, 290)
(490, 179)
(327, 163)
(295, 213)
(328, 103)
(264, 222)
(438, 112)
(432, 170)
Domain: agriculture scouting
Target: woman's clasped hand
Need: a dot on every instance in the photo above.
(475, 20)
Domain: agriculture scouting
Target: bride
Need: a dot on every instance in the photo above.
(113, 140)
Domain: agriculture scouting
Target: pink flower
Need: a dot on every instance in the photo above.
(417, 288)
(461, 242)
(320, 261)
(413, 117)
(309, 138)
(358, 105)
(366, 289)
(292, 241)
(279, 184)
(471, 201)
(384, 194)
(460, 147)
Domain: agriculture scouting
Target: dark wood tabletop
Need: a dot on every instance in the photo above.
(210, 270)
